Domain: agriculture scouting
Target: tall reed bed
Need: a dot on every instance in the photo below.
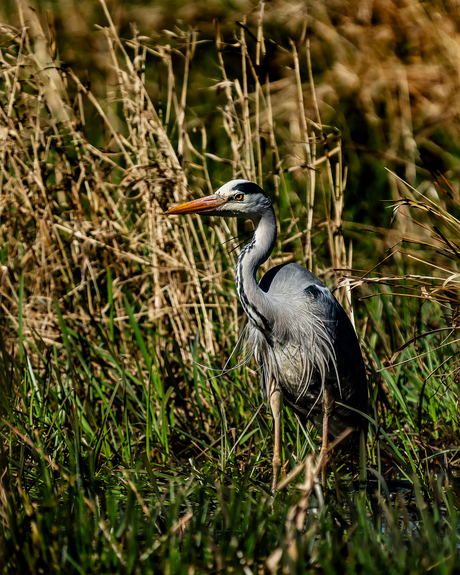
(123, 447)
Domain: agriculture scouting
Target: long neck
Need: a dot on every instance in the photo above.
(255, 301)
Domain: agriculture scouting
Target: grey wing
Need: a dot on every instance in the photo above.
(297, 351)
(352, 372)
(347, 380)
(312, 342)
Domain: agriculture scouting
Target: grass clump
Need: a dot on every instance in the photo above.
(119, 449)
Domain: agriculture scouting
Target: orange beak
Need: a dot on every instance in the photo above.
(198, 206)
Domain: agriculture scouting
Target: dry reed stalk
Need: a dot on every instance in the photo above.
(309, 158)
(95, 207)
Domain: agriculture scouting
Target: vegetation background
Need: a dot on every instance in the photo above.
(124, 445)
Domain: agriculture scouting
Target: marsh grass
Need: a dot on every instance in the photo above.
(124, 448)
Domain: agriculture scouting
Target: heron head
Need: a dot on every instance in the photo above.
(237, 198)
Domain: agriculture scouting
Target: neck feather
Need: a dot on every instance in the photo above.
(255, 301)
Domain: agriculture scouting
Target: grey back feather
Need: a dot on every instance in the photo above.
(298, 352)
(311, 346)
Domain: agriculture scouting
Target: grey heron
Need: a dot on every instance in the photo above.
(300, 336)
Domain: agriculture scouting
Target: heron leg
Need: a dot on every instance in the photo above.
(275, 404)
(323, 453)
(328, 406)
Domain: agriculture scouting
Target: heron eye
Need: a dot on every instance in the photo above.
(239, 197)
